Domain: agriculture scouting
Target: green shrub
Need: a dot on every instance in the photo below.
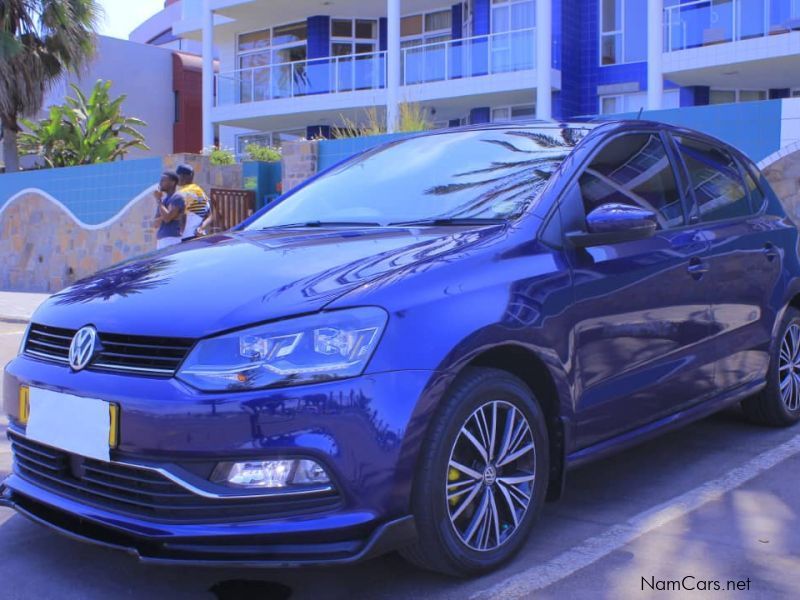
(259, 153)
(85, 130)
(220, 156)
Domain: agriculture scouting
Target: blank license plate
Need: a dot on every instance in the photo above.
(72, 423)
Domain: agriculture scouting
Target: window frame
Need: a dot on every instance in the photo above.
(696, 217)
(495, 4)
(622, 33)
(737, 95)
(616, 32)
(556, 210)
(271, 46)
(428, 37)
(267, 135)
(510, 108)
(746, 166)
(622, 97)
(354, 40)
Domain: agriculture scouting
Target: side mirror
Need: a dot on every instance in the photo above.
(615, 223)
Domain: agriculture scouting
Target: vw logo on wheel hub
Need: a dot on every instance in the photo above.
(82, 348)
(489, 475)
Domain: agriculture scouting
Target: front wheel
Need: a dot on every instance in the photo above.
(778, 404)
(483, 475)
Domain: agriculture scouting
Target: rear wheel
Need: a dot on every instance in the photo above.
(483, 475)
(778, 404)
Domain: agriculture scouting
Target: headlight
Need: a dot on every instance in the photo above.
(320, 347)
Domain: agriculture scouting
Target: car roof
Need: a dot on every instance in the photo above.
(602, 128)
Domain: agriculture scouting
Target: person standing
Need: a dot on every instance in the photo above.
(170, 207)
(199, 216)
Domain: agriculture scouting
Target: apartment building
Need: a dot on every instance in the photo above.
(296, 68)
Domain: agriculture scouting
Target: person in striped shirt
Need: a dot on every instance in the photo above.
(199, 215)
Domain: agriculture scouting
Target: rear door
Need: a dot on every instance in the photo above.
(641, 318)
(745, 259)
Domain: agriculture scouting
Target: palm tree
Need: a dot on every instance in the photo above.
(40, 41)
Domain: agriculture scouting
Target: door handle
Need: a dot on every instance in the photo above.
(770, 252)
(697, 268)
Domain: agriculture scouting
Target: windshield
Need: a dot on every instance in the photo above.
(469, 175)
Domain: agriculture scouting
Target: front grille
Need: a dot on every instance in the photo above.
(51, 343)
(130, 490)
(145, 355)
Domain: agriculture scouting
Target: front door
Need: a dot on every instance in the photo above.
(641, 319)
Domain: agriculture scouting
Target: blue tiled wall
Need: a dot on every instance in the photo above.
(567, 103)
(481, 17)
(332, 152)
(696, 95)
(479, 115)
(263, 178)
(753, 127)
(383, 34)
(458, 17)
(93, 193)
(555, 39)
(624, 74)
(589, 27)
(319, 37)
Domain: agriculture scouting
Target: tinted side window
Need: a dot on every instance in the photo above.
(715, 179)
(634, 169)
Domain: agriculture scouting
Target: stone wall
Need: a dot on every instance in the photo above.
(782, 170)
(300, 161)
(206, 175)
(44, 248)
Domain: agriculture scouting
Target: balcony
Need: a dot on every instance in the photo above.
(733, 44)
(441, 62)
(709, 22)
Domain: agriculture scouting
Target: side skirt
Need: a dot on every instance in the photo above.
(656, 428)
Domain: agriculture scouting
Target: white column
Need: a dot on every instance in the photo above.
(655, 53)
(208, 73)
(544, 59)
(393, 65)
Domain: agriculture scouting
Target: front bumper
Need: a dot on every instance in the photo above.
(366, 431)
(206, 548)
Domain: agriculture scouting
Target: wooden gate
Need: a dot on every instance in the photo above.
(231, 207)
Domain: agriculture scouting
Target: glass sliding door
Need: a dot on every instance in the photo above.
(512, 45)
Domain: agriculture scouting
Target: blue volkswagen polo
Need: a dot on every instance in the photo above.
(409, 351)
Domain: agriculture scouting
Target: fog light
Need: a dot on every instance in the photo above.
(270, 473)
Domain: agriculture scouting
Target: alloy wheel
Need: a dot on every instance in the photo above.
(491, 474)
(789, 367)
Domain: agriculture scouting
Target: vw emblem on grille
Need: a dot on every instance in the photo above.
(82, 348)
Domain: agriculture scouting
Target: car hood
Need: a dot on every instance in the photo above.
(227, 281)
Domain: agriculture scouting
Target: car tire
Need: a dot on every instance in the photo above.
(778, 404)
(468, 525)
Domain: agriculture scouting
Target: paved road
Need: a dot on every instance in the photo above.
(714, 502)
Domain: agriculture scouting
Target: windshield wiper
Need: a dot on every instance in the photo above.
(448, 222)
(323, 224)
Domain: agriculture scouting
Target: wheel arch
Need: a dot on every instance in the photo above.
(529, 367)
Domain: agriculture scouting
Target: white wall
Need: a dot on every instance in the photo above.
(144, 74)
(161, 22)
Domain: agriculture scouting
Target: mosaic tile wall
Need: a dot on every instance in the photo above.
(93, 193)
(43, 248)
